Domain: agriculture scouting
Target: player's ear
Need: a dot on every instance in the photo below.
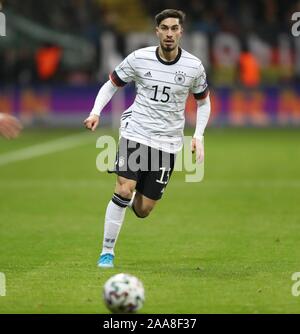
(156, 31)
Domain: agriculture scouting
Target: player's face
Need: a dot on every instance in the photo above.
(169, 33)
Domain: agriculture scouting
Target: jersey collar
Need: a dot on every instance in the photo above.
(168, 62)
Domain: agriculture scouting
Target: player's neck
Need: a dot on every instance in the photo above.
(168, 55)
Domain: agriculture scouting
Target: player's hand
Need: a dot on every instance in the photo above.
(198, 147)
(92, 122)
(10, 126)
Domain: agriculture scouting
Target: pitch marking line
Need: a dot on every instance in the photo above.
(52, 146)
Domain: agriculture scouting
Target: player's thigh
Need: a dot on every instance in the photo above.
(143, 203)
(124, 186)
(153, 183)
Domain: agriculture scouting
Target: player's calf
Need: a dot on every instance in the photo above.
(141, 213)
(142, 206)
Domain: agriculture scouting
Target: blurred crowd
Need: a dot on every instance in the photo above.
(265, 17)
(74, 16)
(89, 19)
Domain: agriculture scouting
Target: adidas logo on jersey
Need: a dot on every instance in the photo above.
(148, 74)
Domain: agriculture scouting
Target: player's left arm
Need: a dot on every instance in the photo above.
(201, 94)
(203, 112)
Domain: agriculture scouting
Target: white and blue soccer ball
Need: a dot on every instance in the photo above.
(124, 293)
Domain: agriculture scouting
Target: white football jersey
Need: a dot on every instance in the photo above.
(156, 117)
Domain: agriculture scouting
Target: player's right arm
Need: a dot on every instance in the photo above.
(122, 74)
(105, 93)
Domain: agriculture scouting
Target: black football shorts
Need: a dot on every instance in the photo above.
(149, 167)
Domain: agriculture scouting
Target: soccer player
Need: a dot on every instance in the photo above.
(10, 126)
(164, 76)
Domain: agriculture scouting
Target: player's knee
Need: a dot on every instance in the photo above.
(125, 191)
(125, 188)
(144, 211)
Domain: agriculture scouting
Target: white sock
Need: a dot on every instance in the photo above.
(132, 199)
(114, 218)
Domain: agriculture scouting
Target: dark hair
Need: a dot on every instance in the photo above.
(177, 14)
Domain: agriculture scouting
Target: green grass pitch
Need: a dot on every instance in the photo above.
(229, 244)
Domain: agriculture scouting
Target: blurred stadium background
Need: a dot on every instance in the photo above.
(232, 247)
(55, 57)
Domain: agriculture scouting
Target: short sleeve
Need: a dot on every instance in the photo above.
(124, 72)
(200, 86)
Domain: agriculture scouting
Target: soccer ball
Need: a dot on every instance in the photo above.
(123, 293)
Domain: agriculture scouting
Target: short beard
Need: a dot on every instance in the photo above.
(167, 49)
